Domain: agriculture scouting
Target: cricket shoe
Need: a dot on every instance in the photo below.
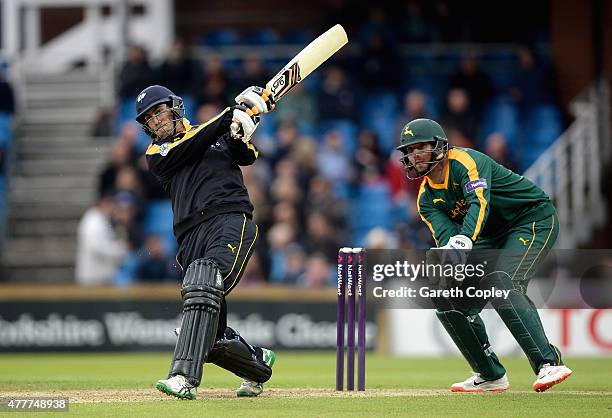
(177, 386)
(475, 383)
(550, 376)
(249, 388)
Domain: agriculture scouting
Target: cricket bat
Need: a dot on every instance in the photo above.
(305, 62)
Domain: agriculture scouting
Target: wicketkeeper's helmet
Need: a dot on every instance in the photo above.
(421, 131)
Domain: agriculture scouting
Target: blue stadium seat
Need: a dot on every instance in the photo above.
(223, 37)
(347, 129)
(158, 221)
(262, 37)
(501, 116)
(543, 124)
(379, 115)
(190, 106)
(6, 128)
(127, 270)
(158, 217)
(299, 37)
(372, 208)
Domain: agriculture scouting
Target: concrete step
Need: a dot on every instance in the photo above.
(60, 167)
(66, 141)
(63, 78)
(45, 274)
(37, 251)
(61, 182)
(50, 130)
(51, 152)
(50, 211)
(42, 228)
(82, 196)
(60, 116)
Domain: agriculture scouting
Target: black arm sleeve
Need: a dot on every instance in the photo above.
(242, 153)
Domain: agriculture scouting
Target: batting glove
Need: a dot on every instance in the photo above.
(258, 100)
(243, 125)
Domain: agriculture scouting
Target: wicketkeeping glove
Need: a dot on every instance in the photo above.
(455, 251)
(243, 125)
(257, 99)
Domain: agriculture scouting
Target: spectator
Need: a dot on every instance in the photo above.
(321, 236)
(213, 84)
(301, 109)
(287, 135)
(379, 61)
(533, 84)
(252, 73)
(126, 219)
(7, 97)
(304, 154)
(103, 123)
(415, 25)
(155, 265)
(135, 74)
(280, 236)
(496, 147)
(322, 199)
(318, 272)
(120, 157)
(178, 71)
(337, 97)
(253, 275)
(333, 161)
(474, 82)
(151, 189)
(295, 265)
(206, 112)
(99, 249)
(414, 105)
(458, 114)
(368, 153)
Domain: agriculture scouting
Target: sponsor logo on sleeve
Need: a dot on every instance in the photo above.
(471, 186)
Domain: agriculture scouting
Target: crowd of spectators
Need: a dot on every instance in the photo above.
(328, 175)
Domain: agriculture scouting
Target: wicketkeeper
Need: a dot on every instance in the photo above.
(199, 166)
(470, 202)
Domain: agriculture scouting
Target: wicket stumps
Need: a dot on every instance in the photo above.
(351, 283)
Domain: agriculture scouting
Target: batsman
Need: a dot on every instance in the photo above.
(470, 202)
(199, 166)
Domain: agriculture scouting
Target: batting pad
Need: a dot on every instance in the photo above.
(202, 292)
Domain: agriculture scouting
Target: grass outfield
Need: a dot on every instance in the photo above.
(122, 385)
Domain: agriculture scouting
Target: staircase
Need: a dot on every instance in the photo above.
(54, 173)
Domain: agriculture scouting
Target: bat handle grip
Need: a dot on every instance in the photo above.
(252, 111)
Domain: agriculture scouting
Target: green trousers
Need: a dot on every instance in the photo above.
(524, 247)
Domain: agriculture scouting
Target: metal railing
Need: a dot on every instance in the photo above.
(570, 170)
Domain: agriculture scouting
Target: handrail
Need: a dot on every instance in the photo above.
(570, 170)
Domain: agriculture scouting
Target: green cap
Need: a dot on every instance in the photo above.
(421, 130)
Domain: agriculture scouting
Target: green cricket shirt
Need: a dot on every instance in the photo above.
(479, 198)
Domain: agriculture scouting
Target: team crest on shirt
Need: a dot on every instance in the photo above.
(164, 149)
(470, 186)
